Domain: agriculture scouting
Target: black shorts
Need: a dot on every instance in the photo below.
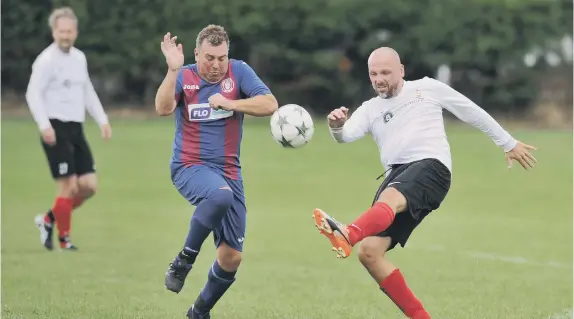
(424, 184)
(71, 154)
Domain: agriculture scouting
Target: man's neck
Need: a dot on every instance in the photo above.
(64, 50)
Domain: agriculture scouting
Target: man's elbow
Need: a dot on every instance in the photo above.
(164, 110)
(270, 106)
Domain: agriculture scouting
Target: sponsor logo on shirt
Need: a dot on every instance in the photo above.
(203, 112)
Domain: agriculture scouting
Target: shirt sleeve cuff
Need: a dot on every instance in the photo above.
(44, 125)
(510, 145)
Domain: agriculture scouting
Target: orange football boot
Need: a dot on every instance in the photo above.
(335, 231)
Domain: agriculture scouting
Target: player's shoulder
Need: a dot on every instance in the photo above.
(191, 66)
(369, 104)
(77, 53)
(238, 63)
(45, 57)
(240, 66)
(187, 68)
(428, 82)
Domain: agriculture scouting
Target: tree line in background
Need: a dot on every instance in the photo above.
(310, 52)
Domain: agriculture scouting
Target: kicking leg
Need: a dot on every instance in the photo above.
(371, 253)
(374, 221)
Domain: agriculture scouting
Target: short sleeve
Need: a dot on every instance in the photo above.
(250, 84)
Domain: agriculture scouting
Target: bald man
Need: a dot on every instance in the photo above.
(405, 120)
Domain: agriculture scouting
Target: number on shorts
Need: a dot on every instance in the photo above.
(63, 168)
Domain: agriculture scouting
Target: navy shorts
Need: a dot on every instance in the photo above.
(196, 183)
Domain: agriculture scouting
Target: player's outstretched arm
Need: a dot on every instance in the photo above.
(467, 111)
(346, 129)
(164, 99)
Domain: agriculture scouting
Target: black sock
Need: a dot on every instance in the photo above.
(188, 255)
(51, 216)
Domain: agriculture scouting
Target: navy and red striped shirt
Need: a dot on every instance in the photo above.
(205, 136)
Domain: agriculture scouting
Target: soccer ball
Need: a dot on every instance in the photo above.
(292, 126)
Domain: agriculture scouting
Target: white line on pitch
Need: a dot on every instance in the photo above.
(496, 257)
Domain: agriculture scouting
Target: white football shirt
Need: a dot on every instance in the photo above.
(60, 88)
(410, 126)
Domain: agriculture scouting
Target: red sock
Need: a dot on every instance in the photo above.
(375, 220)
(78, 200)
(396, 288)
(63, 213)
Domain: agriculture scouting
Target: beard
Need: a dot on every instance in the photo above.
(391, 92)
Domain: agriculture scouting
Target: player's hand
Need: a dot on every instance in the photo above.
(49, 136)
(173, 52)
(521, 154)
(218, 101)
(106, 131)
(338, 117)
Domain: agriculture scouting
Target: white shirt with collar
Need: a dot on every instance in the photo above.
(410, 126)
(60, 88)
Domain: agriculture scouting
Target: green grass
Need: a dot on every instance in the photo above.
(137, 222)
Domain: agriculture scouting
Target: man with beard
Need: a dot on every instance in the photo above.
(211, 98)
(405, 120)
(58, 95)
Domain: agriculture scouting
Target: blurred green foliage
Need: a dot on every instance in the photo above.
(311, 52)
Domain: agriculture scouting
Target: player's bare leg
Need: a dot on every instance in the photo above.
(61, 213)
(87, 187)
(371, 253)
(220, 277)
(374, 221)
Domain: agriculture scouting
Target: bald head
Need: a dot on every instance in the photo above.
(384, 54)
(386, 71)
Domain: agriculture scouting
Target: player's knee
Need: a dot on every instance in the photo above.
(222, 198)
(229, 259)
(88, 188)
(370, 249)
(68, 187)
(394, 198)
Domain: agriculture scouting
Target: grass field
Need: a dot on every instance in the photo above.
(500, 247)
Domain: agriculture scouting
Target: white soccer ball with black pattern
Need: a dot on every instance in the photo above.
(292, 126)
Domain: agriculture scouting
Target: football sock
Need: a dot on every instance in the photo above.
(49, 217)
(208, 215)
(375, 220)
(218, 281)
(395, 287)
(62, 212)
